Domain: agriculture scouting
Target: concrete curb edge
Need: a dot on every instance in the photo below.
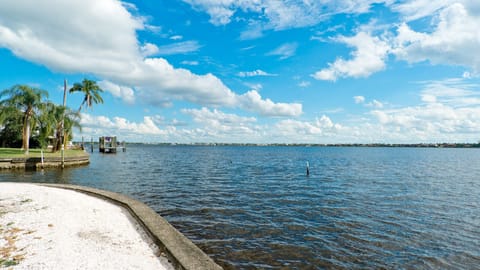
(182, 253)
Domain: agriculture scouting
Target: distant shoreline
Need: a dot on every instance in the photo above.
(409, 145)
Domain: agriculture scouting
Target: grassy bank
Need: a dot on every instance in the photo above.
(19, 153)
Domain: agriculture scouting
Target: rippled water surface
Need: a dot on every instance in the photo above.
(254, 207)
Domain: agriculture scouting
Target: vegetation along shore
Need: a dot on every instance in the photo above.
(29, 120)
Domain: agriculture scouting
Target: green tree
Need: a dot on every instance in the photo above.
(11, 128)
(72, 120)
(28, 101)
(90, 89)
(51, 124)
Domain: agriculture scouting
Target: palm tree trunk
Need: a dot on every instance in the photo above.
(26, 137)
(65, 140)
(81, 105)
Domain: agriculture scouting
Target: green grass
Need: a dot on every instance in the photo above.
(19, 153)
(7, 263)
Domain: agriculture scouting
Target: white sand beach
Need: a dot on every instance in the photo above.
(51, 228)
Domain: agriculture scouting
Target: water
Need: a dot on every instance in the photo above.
(255, 208)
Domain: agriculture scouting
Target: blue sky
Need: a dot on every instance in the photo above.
(257, 71)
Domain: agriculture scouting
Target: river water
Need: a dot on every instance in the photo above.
(255, 207)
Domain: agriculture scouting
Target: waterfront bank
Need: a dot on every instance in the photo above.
(15, 159)
(56, 228)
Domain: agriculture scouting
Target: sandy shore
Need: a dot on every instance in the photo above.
(50, 228)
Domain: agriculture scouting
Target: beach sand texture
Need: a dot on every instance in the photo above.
(51, 228)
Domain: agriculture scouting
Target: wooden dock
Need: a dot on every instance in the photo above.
(109, 144)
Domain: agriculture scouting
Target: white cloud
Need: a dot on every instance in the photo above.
(315, 131)
(252, 101)
(149, 49)
(304, 84)
(452, 92)
(176, 37)
(101, 125)
(125, 93)
(429, 98)
(190, 63)
(359, 99)
(101, 37)
(375, 104)
(253, 31)
(455, 36)
(105, 44)
(285, 51)
(416, 9)
(279, 15)
(449, 114)
(221, 126)
(467, 75)
(369, 57)
(254, 73)
(206, 115)
(254, 86)
(157, 74)
(179, 48)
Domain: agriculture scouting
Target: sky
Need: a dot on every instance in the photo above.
(254, 71)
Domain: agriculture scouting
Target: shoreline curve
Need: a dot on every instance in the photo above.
(180, 251)
(35, 163)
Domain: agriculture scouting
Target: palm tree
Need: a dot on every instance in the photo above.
(71, 120)
(10, 127)
(51, 124)
(91, 91)
(27, 100)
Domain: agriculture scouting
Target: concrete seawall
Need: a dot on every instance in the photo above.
(35, 163)
(181, 252)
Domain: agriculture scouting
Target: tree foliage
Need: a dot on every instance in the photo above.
(28, 120)
(51, 124)
(90, 90)
(27, 101)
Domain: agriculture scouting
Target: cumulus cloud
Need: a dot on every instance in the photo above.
(219, 125)
(454, 39)
(252, 101)
(459, 19)
(149, 49)
(206, 115)
(105, 44)
(101, 125)
(254, 73)
(157, 73)
(369, 57)
(104, 34)
(373, 104)
(308, 131)
(449, 113)
(123, 92)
